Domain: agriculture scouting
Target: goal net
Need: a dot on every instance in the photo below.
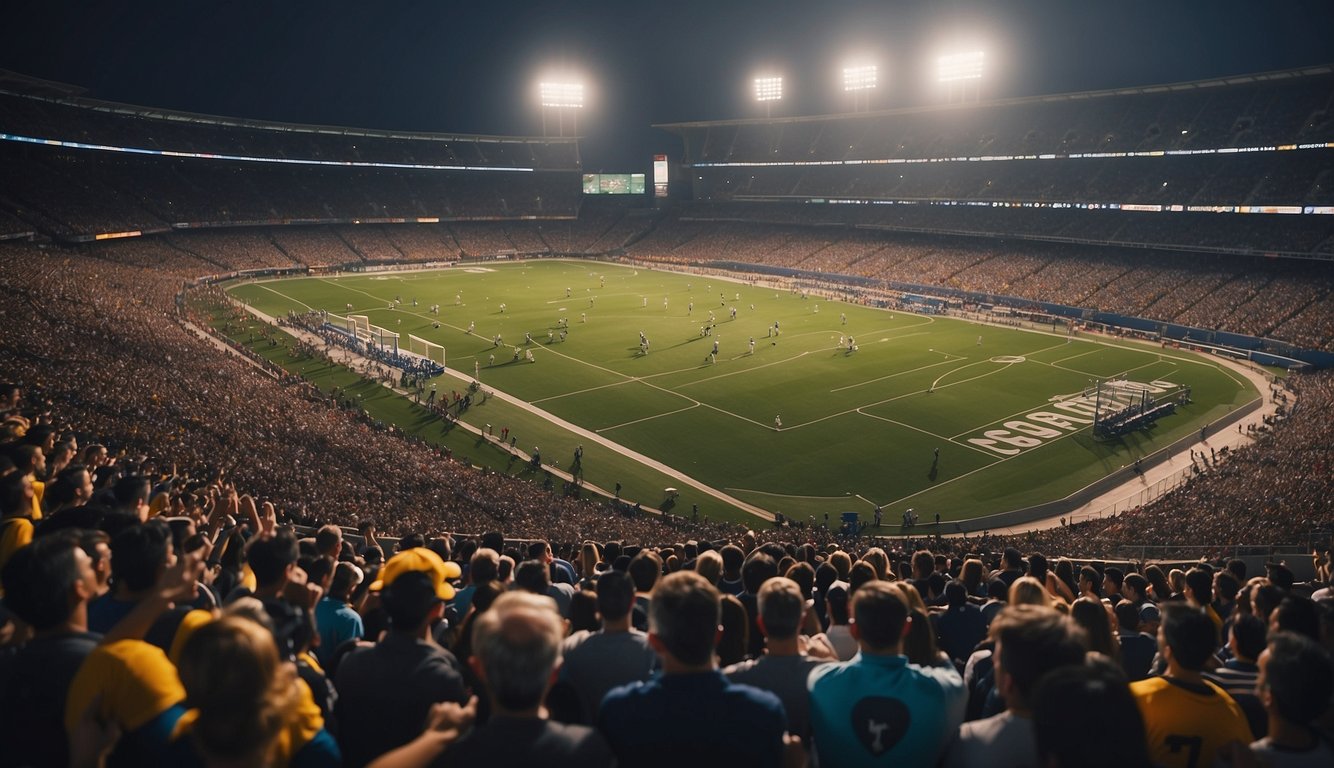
(427, 349)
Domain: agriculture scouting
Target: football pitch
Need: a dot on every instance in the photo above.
(840, 409)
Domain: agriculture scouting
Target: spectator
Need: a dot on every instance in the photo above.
(690, 714)
(1112, 581)
(516, 646)
(1071, 698)
(1237, 676)
(1185, 715)
(1296, 680)
(1296, 614)
(139, 556)
(645, 569)
(1199, 593)
(335, 617)
(730, 582)
(483, 568)
(962, 626)
(47, 584)
(1135, 588)
(385, 690)
(839, 632)
(1013, 563)
(861, 709)
(784, 667)
(535, 576)
(246, 706)
(1137, 648)
(329, 541)
(16, 528)
(1093, 616)
(1030, 642)
(1090, 583)
(758, 569)
(617, 654)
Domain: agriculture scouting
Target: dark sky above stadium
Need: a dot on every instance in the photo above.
(472, 67)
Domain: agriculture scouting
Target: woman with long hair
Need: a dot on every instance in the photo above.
(246, 704)
(1092, 615)
(736, 632)
(973, 576)
(590, 557)
(1159, 589)
(919, 645)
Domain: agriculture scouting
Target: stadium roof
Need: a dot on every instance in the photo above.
(69, 95)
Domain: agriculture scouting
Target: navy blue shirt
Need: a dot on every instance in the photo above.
(693, 719)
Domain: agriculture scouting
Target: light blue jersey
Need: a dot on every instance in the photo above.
(881, 710)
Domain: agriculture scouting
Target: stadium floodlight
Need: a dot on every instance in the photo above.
(562, 95)
(859, 81)
(860, 78)
(960, 66)
(768, 88)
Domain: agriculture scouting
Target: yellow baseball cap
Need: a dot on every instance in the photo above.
(422, 560)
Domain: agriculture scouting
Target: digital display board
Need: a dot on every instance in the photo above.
(613, 184)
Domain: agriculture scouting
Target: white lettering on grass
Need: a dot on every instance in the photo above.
(1038, 427)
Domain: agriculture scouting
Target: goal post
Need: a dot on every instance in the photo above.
(427, 349)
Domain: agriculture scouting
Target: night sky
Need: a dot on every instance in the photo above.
(449, 66)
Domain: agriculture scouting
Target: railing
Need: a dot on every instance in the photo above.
(1139, 498)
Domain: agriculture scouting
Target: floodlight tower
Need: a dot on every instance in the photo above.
(958, 71)
(562, 97)
(859, 81)
(768, 89)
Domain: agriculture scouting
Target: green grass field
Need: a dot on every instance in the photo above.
(860, 428)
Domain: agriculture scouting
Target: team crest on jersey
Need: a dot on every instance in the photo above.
(880, 723)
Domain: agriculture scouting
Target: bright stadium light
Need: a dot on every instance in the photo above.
(768, 88)
(859, 81)
(562, 95)
(961, 74)
(960, 66)
(860, 78)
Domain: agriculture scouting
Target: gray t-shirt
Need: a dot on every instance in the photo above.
(785, 676)
(596, 662)
(1321, 756)
(1003, 741)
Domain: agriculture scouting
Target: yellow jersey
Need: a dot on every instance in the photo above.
(1186, 723)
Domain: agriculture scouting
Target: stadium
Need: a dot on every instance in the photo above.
(935, 343)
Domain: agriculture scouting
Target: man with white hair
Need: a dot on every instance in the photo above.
(516, 650)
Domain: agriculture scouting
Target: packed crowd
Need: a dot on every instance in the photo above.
(77, 194)
(153, 619)
(1285, 301)
(1202, 180)
(326, 463)
(74, 119)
